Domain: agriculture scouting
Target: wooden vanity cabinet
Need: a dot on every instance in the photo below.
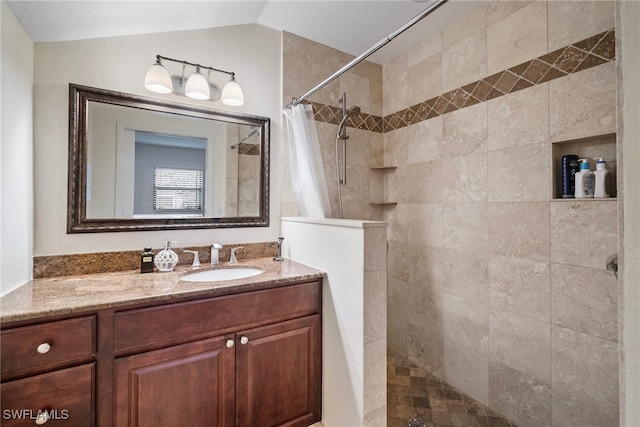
(48, 373)
(250, 359)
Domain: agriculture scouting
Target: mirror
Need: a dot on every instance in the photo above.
(137, 163)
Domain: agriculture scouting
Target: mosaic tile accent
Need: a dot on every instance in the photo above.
(595, 50)
(249, 149)
(417, 398)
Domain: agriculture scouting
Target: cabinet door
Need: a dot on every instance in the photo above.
(279, 380)
(185, 385)
(58, 398)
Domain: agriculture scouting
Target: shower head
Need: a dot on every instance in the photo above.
(351, 112)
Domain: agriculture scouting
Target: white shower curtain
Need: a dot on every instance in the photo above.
(307, 175)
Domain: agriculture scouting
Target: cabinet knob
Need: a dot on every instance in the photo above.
(244, 340)
(42, 418)
(44, 348)
(230, 343)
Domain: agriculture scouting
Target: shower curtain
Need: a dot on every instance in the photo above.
(307, 175)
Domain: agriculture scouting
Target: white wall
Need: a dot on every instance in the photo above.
(16, 202)
(253, 52)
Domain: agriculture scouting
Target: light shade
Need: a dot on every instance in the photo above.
(158, 79)
(197, 86)
(232, 93)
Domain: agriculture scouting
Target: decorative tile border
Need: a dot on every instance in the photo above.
(595, 50)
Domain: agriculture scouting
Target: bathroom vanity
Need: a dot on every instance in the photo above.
(157, 350)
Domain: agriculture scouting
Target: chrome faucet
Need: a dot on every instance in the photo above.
(279, 255)
(196, 259)
(232, 259)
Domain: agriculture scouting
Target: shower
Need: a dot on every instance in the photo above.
(341, 135)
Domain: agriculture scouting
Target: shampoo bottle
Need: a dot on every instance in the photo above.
(602, 178)
(585, 181)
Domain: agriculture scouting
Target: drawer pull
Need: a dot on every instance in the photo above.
(42, 418)
(44, 348)
(244, 340)
(230, 343)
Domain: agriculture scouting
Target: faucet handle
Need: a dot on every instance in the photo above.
(196, 259)
(232, 259)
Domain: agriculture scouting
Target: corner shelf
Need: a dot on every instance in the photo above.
(589, 147)
(377, 183)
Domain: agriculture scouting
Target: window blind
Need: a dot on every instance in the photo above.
(177, 190)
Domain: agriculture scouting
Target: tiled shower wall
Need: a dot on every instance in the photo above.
(492, 285)
(305, 64)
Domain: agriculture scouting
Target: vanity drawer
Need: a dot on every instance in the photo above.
(155, 327)
(66, 395)
(69, 342)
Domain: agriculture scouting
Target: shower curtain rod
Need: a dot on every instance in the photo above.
(431, 8)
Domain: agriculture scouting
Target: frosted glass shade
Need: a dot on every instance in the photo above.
(197, 87)
(232, 94)
(158, 79)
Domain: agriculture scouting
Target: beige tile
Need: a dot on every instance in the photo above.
(465, 131)
(396, 145)
(519, 230)
(456, 58)
(515, 395)
(424, 80)
(375, 375)
(397, 322)
(466, 274)
(520, 286)
(583, 104)
(394, 85)
(465, 178)
(375, 249)
(521, 343)
(424, 304)
(356, 190)
(585, 300)
(520, 174)
(377, 417)
(425, 347)
(584, 379)
(519, 118)
(424, 50)
(584, 233)
(357, 147)
(571, 21)
(376, 149)
(466, 226)
(357, 90)
(425, 141)
(424, 224)
(498, 9)
(375, 305)
(517, 38)
(466, 322)
(467, 370)
(425, 266)
(465, 27)
(415, 183)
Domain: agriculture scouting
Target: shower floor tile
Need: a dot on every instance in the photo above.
(416, 398)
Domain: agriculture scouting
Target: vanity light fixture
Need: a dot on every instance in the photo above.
(197, 86)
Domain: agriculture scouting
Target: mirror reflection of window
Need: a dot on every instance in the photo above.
(169, 176)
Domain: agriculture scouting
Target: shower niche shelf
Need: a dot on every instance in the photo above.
(589, 147)
(377, 186)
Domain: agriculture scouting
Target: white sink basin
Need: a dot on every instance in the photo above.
(222, 274)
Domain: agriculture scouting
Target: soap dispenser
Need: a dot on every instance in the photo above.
(166, 259)
(602, 178)
(585, 181)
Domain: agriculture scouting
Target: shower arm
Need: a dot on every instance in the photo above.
(435, 4)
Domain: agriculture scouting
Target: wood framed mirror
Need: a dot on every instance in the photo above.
(139, 163)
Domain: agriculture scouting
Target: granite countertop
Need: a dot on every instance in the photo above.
(77, 294)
